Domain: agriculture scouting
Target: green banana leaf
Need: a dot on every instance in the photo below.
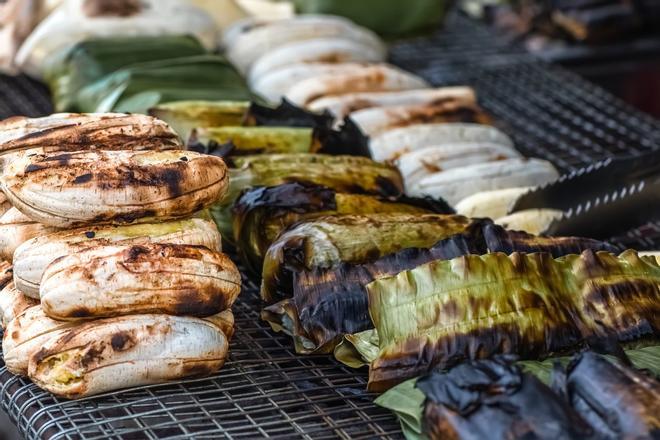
(351, 174)
(407, 402)
(137, 88)
(90, 60)
(184, 116)
(391, 18)
(254, 140)
(531, 305)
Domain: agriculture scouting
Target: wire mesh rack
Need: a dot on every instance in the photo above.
(265, 389)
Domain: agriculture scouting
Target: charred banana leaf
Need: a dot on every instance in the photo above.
(329, 303)
(407, 401)
(471, 307)
(185, 116)
(261, 214)
(286, 115)
(328, 241)
(494, 399)
(241, 141)
(616, 400)
(231, 141)
(349, 174)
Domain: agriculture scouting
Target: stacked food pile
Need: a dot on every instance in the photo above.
(123, 283)
(439, 138)
(373, 207)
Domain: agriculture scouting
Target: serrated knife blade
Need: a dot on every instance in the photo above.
(585, 186)
(611, 213)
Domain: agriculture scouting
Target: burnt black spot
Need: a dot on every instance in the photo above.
(372, 254)
(128, 217)
(83, 178)
(196, 370)
(387, 187)
(40, 355)
(199, 302)
(80, 312)
(90, 234)
(121, 341)
(184, 159)
(134, 252)
(172, 178)
(32, 168)
(92, 355)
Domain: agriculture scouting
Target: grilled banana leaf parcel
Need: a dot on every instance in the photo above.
(407, 401)
(328, 241)
(495, 399)
(532, 305)
(185, 116)
(139, 87)
(618, 401)
(330, 303)
(225, 128)
(233, 140)
(92, 59)
(350, 174)
(261, 214)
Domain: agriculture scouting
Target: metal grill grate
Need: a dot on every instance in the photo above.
(266, 390)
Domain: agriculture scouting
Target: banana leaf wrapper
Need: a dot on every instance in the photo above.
(445, 312)
(616, 400)
(262, 213)
(139, 87)
(185, 116)
(347, 139)
(90, 60)
(231, 141)
(406, 401)
(390, 18)
(495, 399)
(241, 141)
(349, 174)
(330, 303)
(326, 242)
(286, 114)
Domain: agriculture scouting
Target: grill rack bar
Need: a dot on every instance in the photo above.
(265, 389)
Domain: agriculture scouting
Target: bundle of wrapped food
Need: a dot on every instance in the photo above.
(532, 305)
(592, 397)
(439, 138)
(323, 304)
(124, 284)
